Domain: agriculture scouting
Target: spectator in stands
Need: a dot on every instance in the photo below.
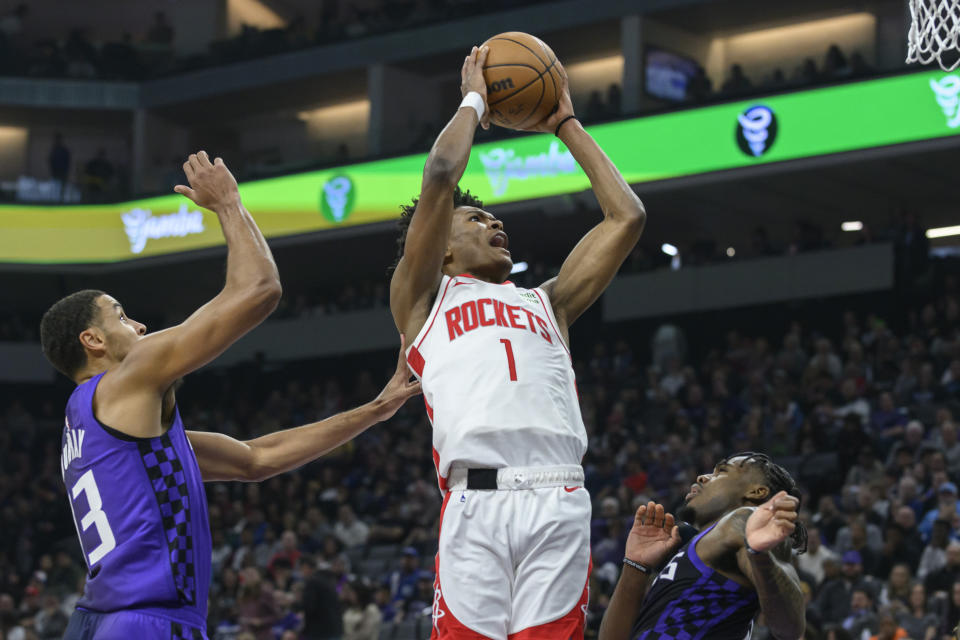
(737, 82)
(422, 602)
(888, 628)
(51, 621)
(916, 618)
(895, 550)
(403, 581)
(868, 470)
(861, 616)
(256, 604)
(896, 590)
(942, 579)
(947, 507)
(361, 618)
(853, 402)
(828, 519)
(834, 600)
(835, 64)
(817, 553)
(934, 555)
(350, 530)
(887, 422)
(288, 551)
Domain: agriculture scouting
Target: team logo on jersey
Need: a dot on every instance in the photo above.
(337, 198)
(756, 130)
(437, 611)
(947, 92)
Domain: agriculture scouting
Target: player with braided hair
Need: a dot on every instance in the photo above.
(736, 567)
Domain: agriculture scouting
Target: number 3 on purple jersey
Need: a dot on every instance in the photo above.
(95, 516)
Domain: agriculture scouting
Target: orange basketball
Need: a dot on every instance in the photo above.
(523, 83)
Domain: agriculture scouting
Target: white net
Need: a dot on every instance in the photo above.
(934, 33)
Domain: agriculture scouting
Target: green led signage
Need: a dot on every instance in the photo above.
(804, 124)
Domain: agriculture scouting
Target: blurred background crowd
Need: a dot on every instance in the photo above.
(843, 365)
(857, 397)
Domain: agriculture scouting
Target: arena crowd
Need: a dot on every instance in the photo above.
(859, 403)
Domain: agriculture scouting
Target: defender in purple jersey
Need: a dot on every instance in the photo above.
(134, 476)
(738, 566)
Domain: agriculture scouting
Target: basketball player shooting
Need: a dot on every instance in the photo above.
(737, 566)
(514, 552)
(133, 474)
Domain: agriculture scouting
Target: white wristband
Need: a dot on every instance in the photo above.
(475, 101)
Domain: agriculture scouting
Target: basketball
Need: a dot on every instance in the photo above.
(523, 82)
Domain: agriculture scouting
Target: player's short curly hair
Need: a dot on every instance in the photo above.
(777, 479)
(461, 198)
(61, 326)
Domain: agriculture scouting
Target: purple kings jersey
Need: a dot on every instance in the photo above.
(689, 601)
(141, 514)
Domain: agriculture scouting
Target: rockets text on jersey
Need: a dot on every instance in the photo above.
(497, 378)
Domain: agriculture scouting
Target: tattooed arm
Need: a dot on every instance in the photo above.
(766, 530)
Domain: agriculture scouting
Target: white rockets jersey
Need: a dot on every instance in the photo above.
(497, 379)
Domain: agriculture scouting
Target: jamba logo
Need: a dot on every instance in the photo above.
(503, 165)
(947, 91)
(141, 225)
(756, 130)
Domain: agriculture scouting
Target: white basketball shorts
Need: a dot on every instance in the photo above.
(514, 563)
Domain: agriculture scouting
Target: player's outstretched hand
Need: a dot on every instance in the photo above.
(400, 387)
(564, 106)
(654, 536)
(772, 522)
(211, 183)
(471, 79)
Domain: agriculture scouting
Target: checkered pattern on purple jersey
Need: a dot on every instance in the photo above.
(710, 601)
(170, 488)
(183, 632)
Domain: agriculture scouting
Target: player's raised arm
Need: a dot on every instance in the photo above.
(653, 537)
(591, 265)
(251, 292)
(223, 458)
(418, 272)
(759, 536)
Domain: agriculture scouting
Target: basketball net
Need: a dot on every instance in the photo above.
(934, 33)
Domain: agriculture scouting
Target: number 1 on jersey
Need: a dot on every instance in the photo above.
(511, 362)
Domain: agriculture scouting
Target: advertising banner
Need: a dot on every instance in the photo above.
(860, 115)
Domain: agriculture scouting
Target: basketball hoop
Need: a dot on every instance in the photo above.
(934, 33)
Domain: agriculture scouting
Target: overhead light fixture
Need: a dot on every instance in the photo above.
(851, 225)
(731, 252)
(669, 249)
(943, 232)
(519, 267)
